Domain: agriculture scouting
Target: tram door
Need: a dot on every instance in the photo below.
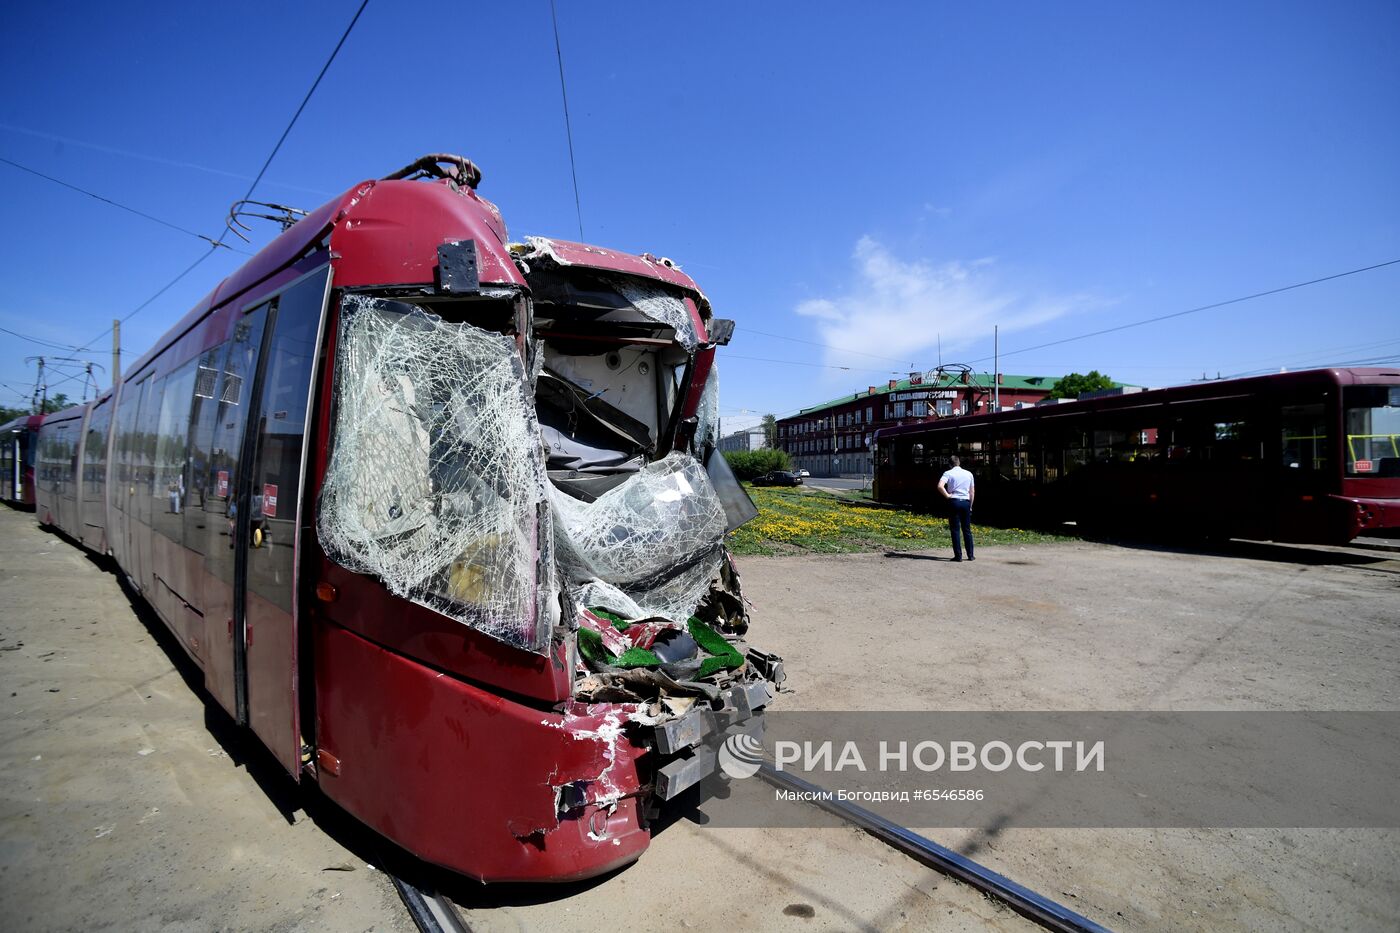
(257, 460)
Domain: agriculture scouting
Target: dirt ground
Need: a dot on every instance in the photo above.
(127, 802)
(1102, 627)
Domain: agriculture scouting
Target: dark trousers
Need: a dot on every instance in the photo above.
(961, 519)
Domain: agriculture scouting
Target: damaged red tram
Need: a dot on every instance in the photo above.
(440, 519)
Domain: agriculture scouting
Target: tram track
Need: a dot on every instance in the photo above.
(431, 912)
(435, 913)
(1035, 907)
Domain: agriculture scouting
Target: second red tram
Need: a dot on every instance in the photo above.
(438, 517)
(1310, 456)
(19, 440)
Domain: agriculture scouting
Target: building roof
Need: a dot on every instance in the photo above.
(949, 381)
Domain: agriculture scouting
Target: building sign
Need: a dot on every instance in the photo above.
(923, 395)
(270, 500)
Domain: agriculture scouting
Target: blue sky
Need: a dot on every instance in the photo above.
(870, 180)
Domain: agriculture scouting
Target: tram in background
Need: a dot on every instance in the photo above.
(278, 478)
(19, 440)
(1307, 456)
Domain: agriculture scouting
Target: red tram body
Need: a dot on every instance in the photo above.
(279, 474)
(1309, 456)
(19, 441)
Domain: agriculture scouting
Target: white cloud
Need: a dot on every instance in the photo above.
(895, 307)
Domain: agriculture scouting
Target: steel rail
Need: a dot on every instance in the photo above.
(432, 913)
(1036, 907)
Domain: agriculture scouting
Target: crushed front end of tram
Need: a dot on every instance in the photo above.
(536, 463)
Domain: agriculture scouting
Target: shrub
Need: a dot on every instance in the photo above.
(747, 464)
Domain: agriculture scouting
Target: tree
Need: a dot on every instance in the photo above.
(770, 431)
(1070, 386)
(57, 403)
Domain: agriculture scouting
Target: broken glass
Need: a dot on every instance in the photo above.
(647, 548)
(437, 474)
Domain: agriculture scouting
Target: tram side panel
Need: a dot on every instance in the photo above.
(92, 509)
(55, 497)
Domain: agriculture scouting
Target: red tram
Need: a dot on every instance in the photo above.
(18, 441)
(438, 518)
(1309, 456)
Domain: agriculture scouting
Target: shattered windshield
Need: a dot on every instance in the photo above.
(436, 478)
(485, 489)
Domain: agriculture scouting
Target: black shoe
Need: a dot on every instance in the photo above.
(972, 558)
(957, 560)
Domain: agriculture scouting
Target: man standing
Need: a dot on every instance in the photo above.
(958, 487)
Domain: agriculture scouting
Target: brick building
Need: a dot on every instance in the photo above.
(834, 438)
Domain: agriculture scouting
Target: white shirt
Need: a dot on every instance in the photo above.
(958, 482)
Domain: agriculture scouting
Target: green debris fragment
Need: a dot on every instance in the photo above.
(724, 656)
(637, 657)
(618, 622)
(590, 645)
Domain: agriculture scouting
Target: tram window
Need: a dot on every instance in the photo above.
(1143, 444)
(172, 436)
(204, 522)
(149, 500)
(1110, 445)
(95, 452)
(221, 480)
(1372, 424)
(126, 440)
(291, 359)
(1304, 437)
(1235, 440)
(916, 454)
(974, 456)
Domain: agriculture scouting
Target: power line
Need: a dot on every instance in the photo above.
(42, 343)
(1279, 360)
(283, 138)
(130, 210)
(304, 101)
(1218, 304)
(568, 128)
(142, 306)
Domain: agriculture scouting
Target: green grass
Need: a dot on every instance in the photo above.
(793, 521)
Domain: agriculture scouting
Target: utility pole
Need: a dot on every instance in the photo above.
(996, 370)
(39, 401)
(116, 353)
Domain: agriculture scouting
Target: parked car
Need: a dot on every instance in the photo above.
(778, 478)
(802, 473)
